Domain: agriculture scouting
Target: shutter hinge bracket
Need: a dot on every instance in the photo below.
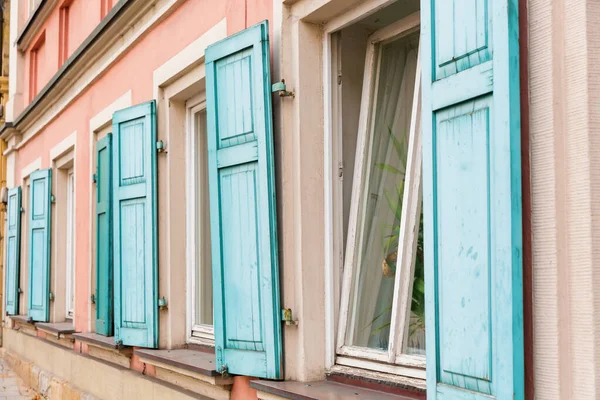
(282, 89)
(119, 344)
(95, 178)
(162, 303)
(19, 290)
(160, 147)
(52, 199)
(93, 299)
(286, 316)
(51, 296)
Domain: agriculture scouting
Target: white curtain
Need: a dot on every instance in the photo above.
(385, 173)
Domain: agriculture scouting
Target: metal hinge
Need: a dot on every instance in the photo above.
(51, 296)
(286, 316)
(119, 344)
(162, 303)
(282, 89)
(93, 299)
(52, 199)
(94, 178)
(160, 147)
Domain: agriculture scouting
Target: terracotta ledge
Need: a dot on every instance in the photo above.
(412, 388)
(190, 360)
(56, 329)
(270, 390)
(94, 339)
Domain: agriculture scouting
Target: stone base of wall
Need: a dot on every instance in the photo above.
(43, 382)
(60, 373)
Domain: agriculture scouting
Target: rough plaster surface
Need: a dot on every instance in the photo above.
(564, 42)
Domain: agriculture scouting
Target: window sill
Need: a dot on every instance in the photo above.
(105, 348)
(93, 339)
(56, 329)
(182, 364)
(270, 390)
(23, 323)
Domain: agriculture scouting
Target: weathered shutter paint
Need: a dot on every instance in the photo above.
(104, 234)
(242, 205)
(134, 225)
(13, 250)
(472, 199)
(39, 245)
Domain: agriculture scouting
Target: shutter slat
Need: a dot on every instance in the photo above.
(472, 199)
(134, 226)
(104, 251)
(39, 245)
(13, 250)
(242, 205)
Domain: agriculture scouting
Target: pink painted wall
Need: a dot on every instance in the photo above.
(132, 72)
(84, 15)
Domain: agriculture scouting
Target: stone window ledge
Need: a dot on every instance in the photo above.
(56, 329)
(93, 339)
(271, 390)
(174, 365)
(23, 323)
(105, 348)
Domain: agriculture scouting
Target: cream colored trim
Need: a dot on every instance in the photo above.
(64, 146)
(104, 117)
(37, 24)
(66, 160)
(98, 124)
(82, 75)
(189, 57)
(32, 167)
(176, 81)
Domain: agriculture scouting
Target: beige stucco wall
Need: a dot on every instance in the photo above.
(564, 83)
(88, 375)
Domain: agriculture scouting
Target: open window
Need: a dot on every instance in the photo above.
(375, 114)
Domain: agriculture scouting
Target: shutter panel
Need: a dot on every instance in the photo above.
(472, 199)
(247, 314)
(104, 260)
(134, 225)
(13, 250)
(39, 245)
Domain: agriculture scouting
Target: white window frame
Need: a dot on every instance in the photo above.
(70, 246)
(196, 333)
(391, 361)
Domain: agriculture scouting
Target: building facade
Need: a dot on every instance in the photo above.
(273, 199)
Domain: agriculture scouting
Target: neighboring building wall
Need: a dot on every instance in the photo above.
(564, 84)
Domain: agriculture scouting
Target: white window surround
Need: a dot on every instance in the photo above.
(64, 237)
(393, 362)
(100, 124)
(70, 245)
(198, 333)
(177, 82)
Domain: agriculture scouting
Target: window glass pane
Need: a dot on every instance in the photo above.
(204, 305)
(70, 253)
(416, 318)
(380, 207)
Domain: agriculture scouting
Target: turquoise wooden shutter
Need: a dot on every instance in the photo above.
(13, 250)
(472, 199)
(39, 245)
(104, 251)
(134, 225)
(242, 205)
